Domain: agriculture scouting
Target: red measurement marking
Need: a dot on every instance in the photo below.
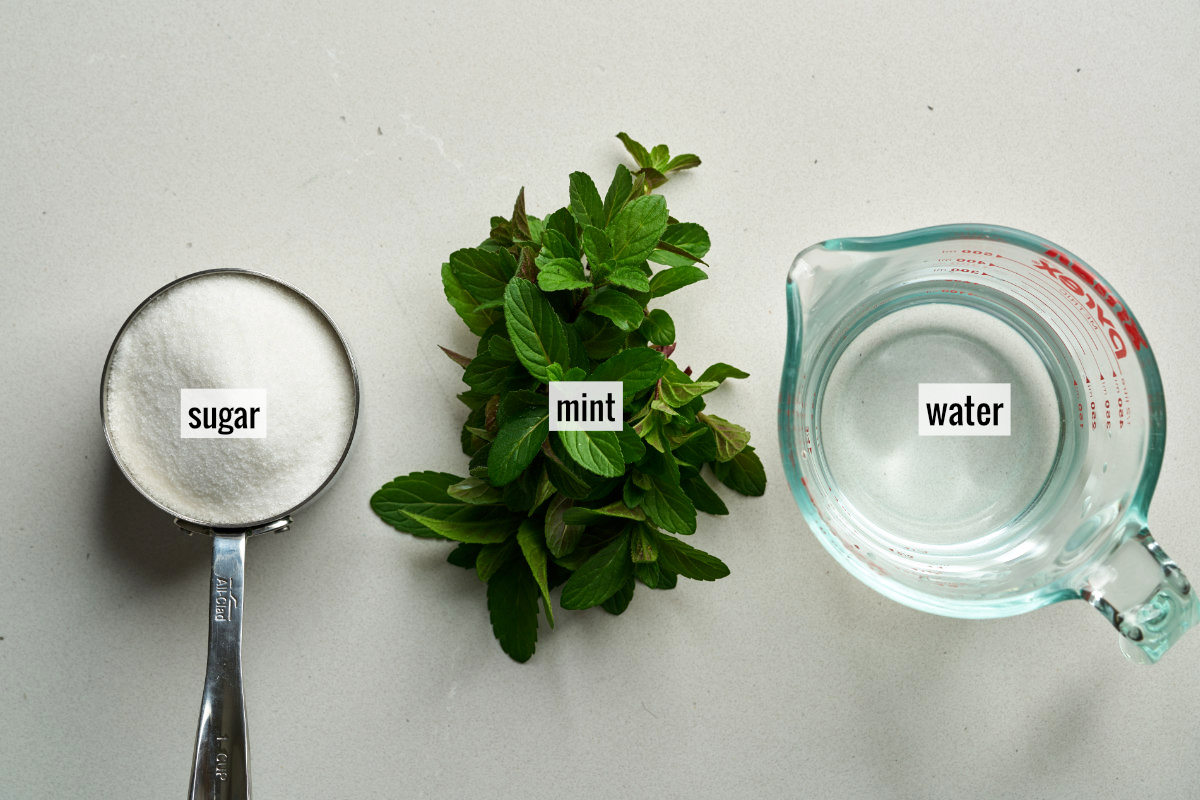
(1130, 327)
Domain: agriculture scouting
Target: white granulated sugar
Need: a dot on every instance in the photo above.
(230, 331)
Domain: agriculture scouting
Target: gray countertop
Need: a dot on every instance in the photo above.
(348, 151)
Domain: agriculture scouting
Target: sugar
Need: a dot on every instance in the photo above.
(230, 331)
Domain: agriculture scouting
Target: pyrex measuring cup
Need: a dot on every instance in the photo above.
(972, 423)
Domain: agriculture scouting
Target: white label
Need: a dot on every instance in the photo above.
(222, 413)
(586, 405)
(964, 409)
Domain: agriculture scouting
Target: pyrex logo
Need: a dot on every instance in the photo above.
(1114, 335)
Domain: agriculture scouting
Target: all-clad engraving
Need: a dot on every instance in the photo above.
(224, 601)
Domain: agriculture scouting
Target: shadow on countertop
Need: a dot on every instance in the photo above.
(143, 539)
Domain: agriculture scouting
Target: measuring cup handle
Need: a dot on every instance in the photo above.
(221, 767)
(1145, 596)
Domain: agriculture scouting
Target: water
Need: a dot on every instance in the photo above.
(937, 490)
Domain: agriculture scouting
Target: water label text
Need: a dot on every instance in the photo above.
(964, 409)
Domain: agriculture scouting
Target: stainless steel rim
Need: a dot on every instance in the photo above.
(192, 524)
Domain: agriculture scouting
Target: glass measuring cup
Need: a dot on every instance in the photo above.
(272, 320)
(893, 338)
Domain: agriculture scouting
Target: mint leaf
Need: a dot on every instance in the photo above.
(561, 538)
(490, 558)
(636, 150)
(681, 244)
(502, 348)
(624, 312)
(743, 473)
(643, 547)
(516, 445)
(512, 599)
(636, 229)
(617, 604)
(632, 448)
(421, 491)
(474, 491)
(586, 206)
(630, 278)
(702, 495)
(668, 280)
(637, 368)
(536, 331)
(598, 578)
(596, 247)
(483, 273)
(487, 374)
(464, 555)
(669, 508)
(719, 372)
(583, 516)
(698, 448)
(457, 358)
(683, 559)
(529, 538)
(659, 156)
(658, 327)
(681, 162)
(561, 273)
(618, 193)
(731, 439)
(465, 304)
(467, 523)
(680, 394)
(596, 451)
(599, 337)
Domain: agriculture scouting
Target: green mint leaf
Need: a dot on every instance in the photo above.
(500, 347)
(567, 476)
(513, 403)
(681, 244)
(555, 372)
(617, 604)
(585, 516)
(545, 490)
(651, 429)
(491, 558)
(643, 547)
(731, 438)
(599, 578)
(561, 538)
(636, 229)
(595, 451)
(698, 448)
(669, 508)
(488, 374)
(516, 445)
(743, 473)
(658, 327)
(631, 278)
(618, 193)
(636, 150)
(457, 358)
(520, 220)
(467, 523)
(562, 223)
(624, 312)
(680, 394)
(464, 555)
(652, 177)
(558, 274)
(586, 206)
(512, 598)
(637, 368)
(535, 330)
(474, 491)
(668, 280)
(483, 273)
(422, 491)
(632, 448)
(556, 245)
(683, 559)
(536, 228)
(682, 162)
(529, 538)
(702, 495)
(466, 305)
(596, 247)
(659, 156)
(599, 337)
(648, 573)
(719, 372)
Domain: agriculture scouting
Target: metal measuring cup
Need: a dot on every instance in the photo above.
(221, 764)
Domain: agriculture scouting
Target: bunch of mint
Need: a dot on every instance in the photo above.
(565, 299)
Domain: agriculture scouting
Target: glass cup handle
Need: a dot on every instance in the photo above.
(1146, 597)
